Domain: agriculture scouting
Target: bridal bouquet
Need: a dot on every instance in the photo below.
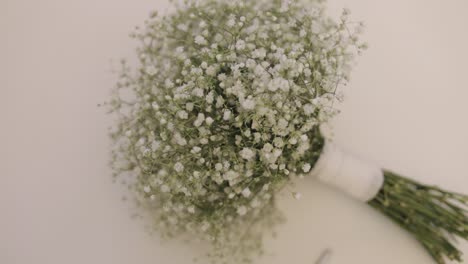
(224, 110)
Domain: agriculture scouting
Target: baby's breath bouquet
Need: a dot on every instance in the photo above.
(225, 108)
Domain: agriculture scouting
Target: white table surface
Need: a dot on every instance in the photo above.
(406, 108)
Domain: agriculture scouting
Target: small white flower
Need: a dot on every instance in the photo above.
(282, 123)
(231, 22)
(306, 167)
(278, 142)
(222, 77)
(218, 166)
(169, 84)
(182, 27)
(180, 140)
(199, 121)
(248, 104)
(227, 114)
(240, 45)
(155, 145)
(278, 83)
(302, 33)
(200, 40)
(178, 167)
(211, 71)
(210, 97)
(147, 189)
(241, 210)
(209, 121)
(247, 154)
(251, 64)
(246, 192)
(191, 209)
(292, 141)
(198, 92)
(267, 148)
(151, 70)
(231, 175)
(182, 114)
(277, 153)
(308, 109)
(189, 107)
(259, 53)
(195, 150)
(219, 101)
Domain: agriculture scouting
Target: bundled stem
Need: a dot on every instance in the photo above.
(434, 216)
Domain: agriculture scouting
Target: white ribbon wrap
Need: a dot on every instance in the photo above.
(356, 177)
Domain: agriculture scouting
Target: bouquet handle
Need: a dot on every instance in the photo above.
(433, 215)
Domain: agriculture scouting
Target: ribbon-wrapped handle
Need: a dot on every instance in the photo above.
(356, 177)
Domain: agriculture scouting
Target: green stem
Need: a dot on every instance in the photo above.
(434, 216)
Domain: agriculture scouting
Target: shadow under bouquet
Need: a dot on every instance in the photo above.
(225, 108)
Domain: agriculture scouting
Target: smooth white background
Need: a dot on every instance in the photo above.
(405, 108)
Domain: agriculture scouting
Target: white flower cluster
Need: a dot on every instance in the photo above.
(225, 108)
